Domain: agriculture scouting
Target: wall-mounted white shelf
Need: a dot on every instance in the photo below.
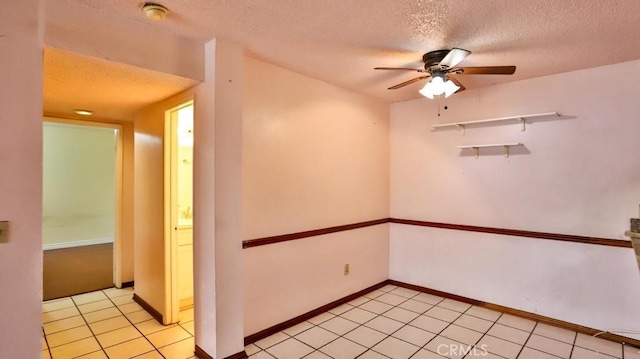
(521, 118)
(477, 148)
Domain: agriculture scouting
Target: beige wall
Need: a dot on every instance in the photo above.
(148, 211)
(21, 27)
(82, 29)
(314, 156)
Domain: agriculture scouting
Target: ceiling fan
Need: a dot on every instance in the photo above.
(440, 65)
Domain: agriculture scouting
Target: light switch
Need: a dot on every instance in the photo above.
(4, 231)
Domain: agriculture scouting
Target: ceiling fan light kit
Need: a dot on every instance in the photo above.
(438, 86)
(440, 65)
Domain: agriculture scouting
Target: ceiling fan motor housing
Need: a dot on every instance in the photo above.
(433, 58)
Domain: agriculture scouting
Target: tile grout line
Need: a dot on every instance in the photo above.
(524, 345)
(46, 341)
(141, 333)
(406, 299)
(573, 346)
(338, 335)
(423, 313)
(367, 348)
(530, 333)
(548, 337)
(89, 327)
(559, 341)
(487, 334)
(380, 315)
(445, 328)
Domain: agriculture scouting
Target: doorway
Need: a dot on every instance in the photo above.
(81, 206)
(179, 126)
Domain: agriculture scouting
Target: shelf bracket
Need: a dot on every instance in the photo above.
(523, 124)
(462, 128)
(506, 151)
(477, 150)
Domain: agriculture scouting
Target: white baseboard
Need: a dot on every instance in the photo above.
(86, 242)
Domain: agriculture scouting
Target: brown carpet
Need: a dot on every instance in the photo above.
(71, 271)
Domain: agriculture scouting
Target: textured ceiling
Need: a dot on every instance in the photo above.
(112, 90)
(340, 41)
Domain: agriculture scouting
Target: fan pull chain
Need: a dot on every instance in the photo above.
(445, 104)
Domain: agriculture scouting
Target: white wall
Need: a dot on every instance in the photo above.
(314, 156)
(576, 175)
(79, 183)
(21, 25)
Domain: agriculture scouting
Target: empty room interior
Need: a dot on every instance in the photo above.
(329, 179)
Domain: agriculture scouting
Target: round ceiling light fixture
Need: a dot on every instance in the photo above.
(155, 12)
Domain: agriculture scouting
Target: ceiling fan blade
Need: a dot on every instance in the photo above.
(458, 83)
(407, 83)
(399, 68)
(485, 70)
(454, 57)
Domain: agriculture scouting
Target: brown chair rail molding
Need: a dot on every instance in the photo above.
(519, 233)
(459, 227)
(316, 232)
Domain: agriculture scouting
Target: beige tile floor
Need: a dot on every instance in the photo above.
(109, 324)
(399, 323)
(392, 322)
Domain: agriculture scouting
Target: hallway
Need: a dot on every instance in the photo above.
(109, 324)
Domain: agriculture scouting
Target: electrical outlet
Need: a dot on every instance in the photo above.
(346, 269)
(4, 231)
